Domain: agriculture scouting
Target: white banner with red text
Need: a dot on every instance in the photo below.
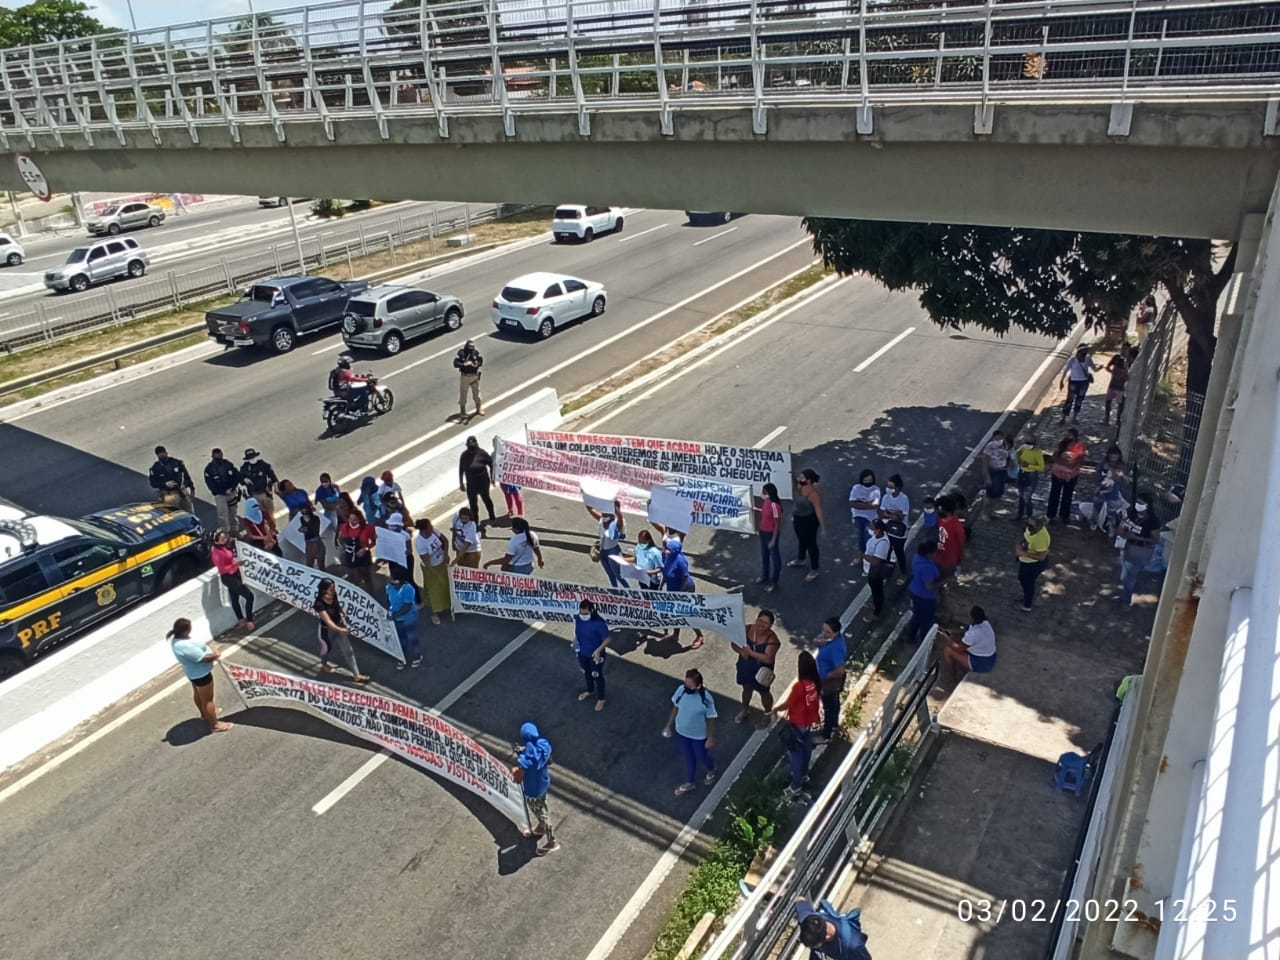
(536, 599)
(296, 585)
(420, 736)
(689, 458)
(574, 476)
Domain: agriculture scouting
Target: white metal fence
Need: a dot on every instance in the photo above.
(119, 301)
(373, 59)
(861, 791)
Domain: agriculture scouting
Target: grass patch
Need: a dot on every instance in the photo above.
(34, 360)
(755, 816)
(678, 348)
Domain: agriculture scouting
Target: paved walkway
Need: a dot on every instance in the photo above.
(987, 825)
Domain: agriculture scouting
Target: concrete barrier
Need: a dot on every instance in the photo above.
(72, 685)
(432, 476)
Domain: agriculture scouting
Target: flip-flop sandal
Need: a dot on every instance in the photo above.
(685, 788)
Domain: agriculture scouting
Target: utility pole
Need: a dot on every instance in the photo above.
(297, 240)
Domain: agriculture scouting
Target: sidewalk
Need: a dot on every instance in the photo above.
(987, 823)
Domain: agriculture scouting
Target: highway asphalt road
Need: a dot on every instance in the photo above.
(662, 280)
(188, 242)
(158, 840)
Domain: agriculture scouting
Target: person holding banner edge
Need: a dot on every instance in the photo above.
(196, 659)
(475, 477)
(402, 611)
(334, 631)
(532, 771)
(590, 642)
(611, 530)
(755, 664)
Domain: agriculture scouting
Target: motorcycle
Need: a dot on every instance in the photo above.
(337, 410)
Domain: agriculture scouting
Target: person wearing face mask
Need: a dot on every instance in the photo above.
(611, 530)
(693, 711)
(1030, 469)
(864, 506)
(1138, 534)
(895, 511)
(929, 519)
(257, 531)
(590, 642)
(1033, 554)
(831, 658)
(475, 478)
(807, 521)
(677, 579)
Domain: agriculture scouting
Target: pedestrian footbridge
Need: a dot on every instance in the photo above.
(1088, 114)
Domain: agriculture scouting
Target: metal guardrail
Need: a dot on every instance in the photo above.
(373, 59)
(839, 821)
(115, 303)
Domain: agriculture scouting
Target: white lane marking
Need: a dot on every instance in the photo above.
(771, 435)
(603, 344)
(714, 236)
(1055, 356)
(325, 349)
(885, 349)
(452, 697)
(633, 236)
(662, 382)
(439, 353)
(85, 743)
(671, 856)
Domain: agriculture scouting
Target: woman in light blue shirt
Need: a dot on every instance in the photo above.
(648, 560)
(692, 711)
(196, 659)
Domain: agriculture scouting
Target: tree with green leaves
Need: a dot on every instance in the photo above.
(46, 21)
(1042, 281)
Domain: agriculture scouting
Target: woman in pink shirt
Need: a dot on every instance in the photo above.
(224, 559)
(1067, 460)
(770, 529)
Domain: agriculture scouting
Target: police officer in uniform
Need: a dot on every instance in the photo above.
(260, 480)
(223, 480)
(468, 363)
(171, 481)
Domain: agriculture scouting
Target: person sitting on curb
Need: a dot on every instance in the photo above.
(974, 651)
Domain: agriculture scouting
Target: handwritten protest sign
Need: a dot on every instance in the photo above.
(419, 736)
(668, 508)
(598, 494)
(513, 597)
(296, 585)
(689, 458)
(391, 546)
(568, 475)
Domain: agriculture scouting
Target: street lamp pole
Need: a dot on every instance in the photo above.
(133, 23)
(297, 239)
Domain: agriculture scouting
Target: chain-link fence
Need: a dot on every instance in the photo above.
(1162, 418)
(335, 250)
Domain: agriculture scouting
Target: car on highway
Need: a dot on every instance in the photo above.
(708, 218)
(98, 262)
(539, 303)
(387, 316)
(59, 576)
(274, 313)
(11, 252)
(125, 216)
(578, 221)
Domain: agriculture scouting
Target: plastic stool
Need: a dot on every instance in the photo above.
(1071, 773)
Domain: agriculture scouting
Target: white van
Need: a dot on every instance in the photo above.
(577, 221)
(11, 252)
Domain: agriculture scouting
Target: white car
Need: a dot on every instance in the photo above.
(576, 221)
(11, 252)
(541, 302)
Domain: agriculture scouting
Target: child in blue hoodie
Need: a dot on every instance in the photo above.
(533, 761)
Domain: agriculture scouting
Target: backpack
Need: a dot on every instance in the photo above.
(333, 380)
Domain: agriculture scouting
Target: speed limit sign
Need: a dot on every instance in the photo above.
(33, 177)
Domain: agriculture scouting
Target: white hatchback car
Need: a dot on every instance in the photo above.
(541, 302)
(11, 252)
(576, 221)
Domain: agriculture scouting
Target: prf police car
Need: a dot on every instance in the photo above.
(59, 576)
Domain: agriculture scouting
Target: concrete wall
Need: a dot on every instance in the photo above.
(1183, 169)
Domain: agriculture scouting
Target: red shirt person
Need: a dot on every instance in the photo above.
(951, 537)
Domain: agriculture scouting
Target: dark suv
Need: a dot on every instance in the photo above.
(274, 313)
(59, 577)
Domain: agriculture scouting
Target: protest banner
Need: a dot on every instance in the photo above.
(296, 585)
(292, 533)
(420, 736)
(668, 508)
(572, 475)
(689, 458)
(535, 599)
